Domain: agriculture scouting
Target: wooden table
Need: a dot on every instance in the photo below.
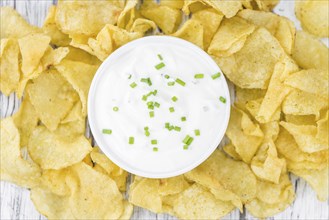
(16, 203)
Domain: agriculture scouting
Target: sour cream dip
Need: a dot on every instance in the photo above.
(158, 106)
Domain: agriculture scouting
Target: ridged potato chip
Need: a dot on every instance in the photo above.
(192, 31)
(210, 20)
(318, 180)
(245, 135)
(12, 24)
(311, 81)
(53, 151)
(74, 17)
(229, 33)
(76, 54)
(142, 25)
(231, 151)
(314, 16)
(127, 15)
(13, 167)
(309, 52)
(247, 70)
(54, 181)
(9, 62)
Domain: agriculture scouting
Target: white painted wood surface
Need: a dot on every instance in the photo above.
(16, 203)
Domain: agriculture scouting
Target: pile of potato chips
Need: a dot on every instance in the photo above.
(278, 124)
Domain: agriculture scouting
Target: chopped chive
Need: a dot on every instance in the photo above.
(183, 118)
(155, 92)
(174, 98)
(149, 103)
(180, 82)
(171, 83)
(190, 140)
(115, 108)
(147, 133)
(171, 127)
(159, 66)
(133, 85)
(154, 142)
(167, 76)
(160, 57)
(185, 147)
(222, 99)
(146, 128)
(197, 132)
(177, 128)
(150, 107)
(151, 113)
(156, 104)
(129, 77)
(144, 98)
(147, 80)
(155, 149)
(215, 76)
(199, 76)
(107, 131)
(131, 140)
(167, 125)
(171, 109)
(186, 139)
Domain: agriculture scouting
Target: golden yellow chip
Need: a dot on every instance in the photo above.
(318, 180)
(177, 4)
(79, 75)
(303, 103)
(244, 95)
(26, 120)
(245, 135)
(308, 137)
(50, 28)
(312, 81)
(127, 15)
(253, 65)
(230, 150)
(229, 33)
(266, 5)
(52, 97)
(271, 198)
(54, 181)
(76, 54)
(32, 47)
(52, 151)
(172, 185)
(314, 16)
(165, 17)
(210, 21)
(142, 25)
(300, 119)
(197, 202)
(13, 167)
(13, 24)
(309, 52)
(93, 195)
(85, 17)
(10, 71)
(192, 31)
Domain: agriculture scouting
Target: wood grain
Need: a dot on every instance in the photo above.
(16, 203)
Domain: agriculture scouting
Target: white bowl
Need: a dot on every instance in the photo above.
(162, 164)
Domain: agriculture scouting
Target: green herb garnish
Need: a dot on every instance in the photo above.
(156, 104)
(107, 131)
(167, 76)
(180, 82)
(183, 118)
(154, 142)
(159, 66)
(222, 99)
(171, 83)
(176, 128)
(197, 132)
(215, 76)
(160, 57)
(199, 76)
(147, 80)
(155, 149)
(131, 140)
(115, 108)
(174, 98)
(133, 85)
(151, 113)
(171, 109)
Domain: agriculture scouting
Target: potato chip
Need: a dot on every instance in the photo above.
(234, 176)
(94, 195)
(192, 31)
(128, 209)
(51, 205)
(80, 76)
(26, 120)
(318, 180)
(52, 151)
(193, 6)
(76, 54)
(271, 130)
(271, 198)
(266, 164)
(10, 72)
(13, 167)
(210, 21)
(231, 151)
(52, 98)
(309, 52)
(32, 48)
(74, 17)
(244, 134)
(295, 157)
(300, 119)
(197, 202)
(266, 5)
(280, 27)
(303, 103)
(314, 16)
(247, 70)
(142, 25)
(312, 81)
(276, 92)
(12, 24)
(244, 95)
(54, 181)
(165, 17)
(116, 173)
(174, 185)
(253, 107)
(307, 136)
(230, 31)
(177, 4)
(127, 15)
